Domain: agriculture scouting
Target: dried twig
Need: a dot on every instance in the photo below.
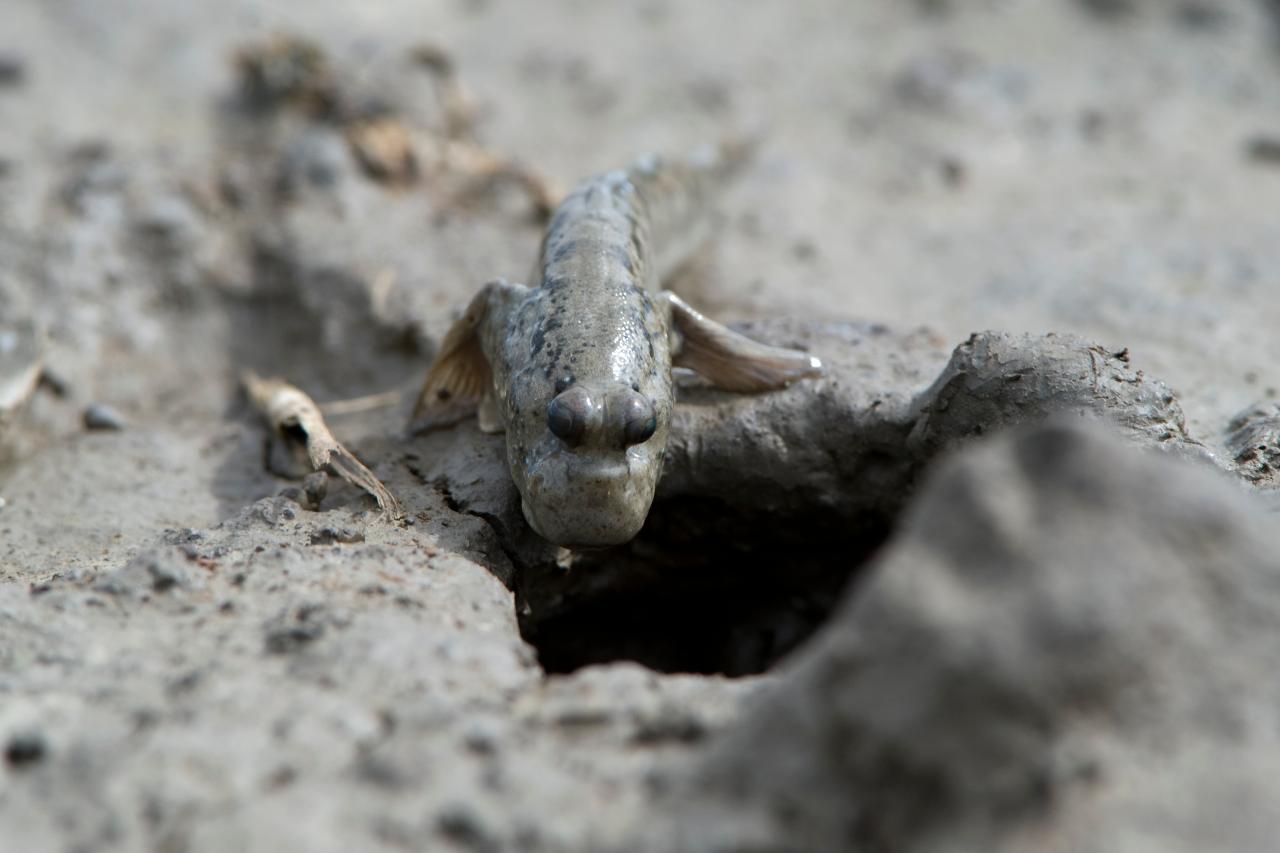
(367, 403)
(289, 411)
(460, 111)
(484, 168)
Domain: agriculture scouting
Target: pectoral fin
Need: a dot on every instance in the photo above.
(460, 377)
(729, 360)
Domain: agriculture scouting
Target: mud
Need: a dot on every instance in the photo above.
(922, 603)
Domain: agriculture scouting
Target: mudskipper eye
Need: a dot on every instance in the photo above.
(640, 420)
(567, 416)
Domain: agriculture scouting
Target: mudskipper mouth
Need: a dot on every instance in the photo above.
(532, 519)
(586, 501)
(575, 541)
(589, 527)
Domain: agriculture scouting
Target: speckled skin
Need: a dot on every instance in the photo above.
(597, 321)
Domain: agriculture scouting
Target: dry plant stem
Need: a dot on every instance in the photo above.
(287, 408)
(460, 112)
(367, 403)
(484, 167)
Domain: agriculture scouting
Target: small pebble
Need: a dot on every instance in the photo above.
(12, 70)
(1263, 149)
(315, 486)
(953, 172)
(1200, 15)
(482, 736)
(24, 749)
(292, 493)
(465, 827)
(55, 383)
(1109, 9)
(102, 416)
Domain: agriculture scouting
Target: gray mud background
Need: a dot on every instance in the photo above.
(973, 590)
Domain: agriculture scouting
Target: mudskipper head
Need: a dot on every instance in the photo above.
(588, 475)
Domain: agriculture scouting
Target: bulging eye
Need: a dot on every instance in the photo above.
(641, 421)
(567, 415)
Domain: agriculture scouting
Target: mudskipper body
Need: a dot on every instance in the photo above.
(577, 371)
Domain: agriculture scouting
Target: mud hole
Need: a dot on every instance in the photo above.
(703, 589)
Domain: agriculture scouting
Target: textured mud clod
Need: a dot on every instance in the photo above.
(992, 676)
(1253, 444)
(995, 380)
(153, 572)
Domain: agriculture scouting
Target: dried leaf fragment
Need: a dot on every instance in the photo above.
(287, 69)
(289, 411)
(384, 147)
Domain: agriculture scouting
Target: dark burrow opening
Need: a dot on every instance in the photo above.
(703, 589)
